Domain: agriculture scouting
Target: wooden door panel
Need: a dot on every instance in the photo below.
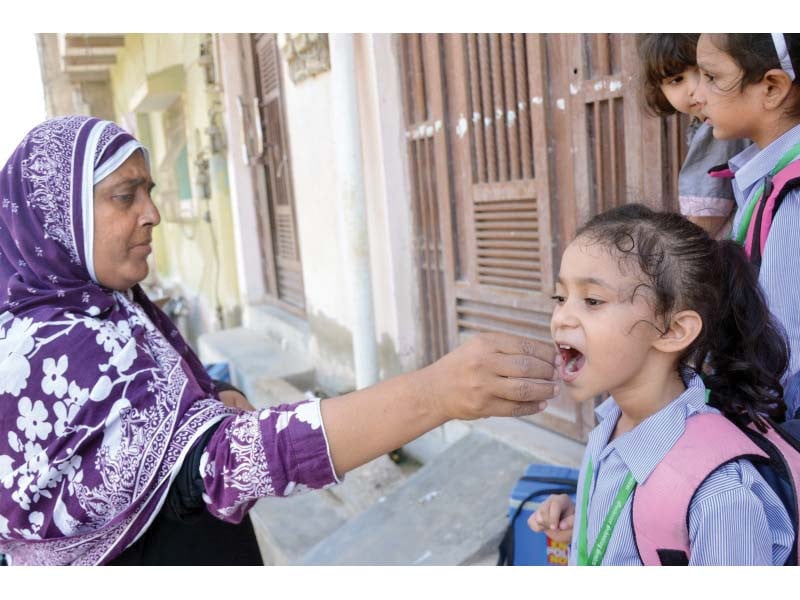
(277, 209)
(516, 140)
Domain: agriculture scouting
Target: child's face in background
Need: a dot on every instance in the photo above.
(679, 89)
(732, 112)
(602, 322)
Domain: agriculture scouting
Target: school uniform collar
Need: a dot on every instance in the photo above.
(642, 448)
(752, 164)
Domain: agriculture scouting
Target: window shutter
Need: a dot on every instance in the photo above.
(430, 189)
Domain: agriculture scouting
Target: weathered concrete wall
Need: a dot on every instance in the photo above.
(194, 254)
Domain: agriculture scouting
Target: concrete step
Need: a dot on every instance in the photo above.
(287, 528)
(452, 511)
(288, 330)
(257, 362)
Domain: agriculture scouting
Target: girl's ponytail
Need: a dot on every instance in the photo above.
(745, 348)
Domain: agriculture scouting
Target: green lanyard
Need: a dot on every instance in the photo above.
(607, 528)
(747, 216)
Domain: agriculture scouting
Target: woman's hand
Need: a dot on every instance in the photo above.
(556, 517)
(493, 374)
(235, 399)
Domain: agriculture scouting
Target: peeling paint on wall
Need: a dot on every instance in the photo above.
(615, 85)
(561, 104)
(537, 100)
(424, 131)
(574, 89)
(461, 129)
(332, 353)
(511, 117)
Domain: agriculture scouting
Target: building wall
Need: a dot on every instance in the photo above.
(194, 255)
(309, 121)
(388, 198)
(310, 133)
(328, 300)
(234, 55)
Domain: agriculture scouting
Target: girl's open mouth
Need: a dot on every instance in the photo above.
(572, 362)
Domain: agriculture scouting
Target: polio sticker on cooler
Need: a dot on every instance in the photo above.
(557, 552)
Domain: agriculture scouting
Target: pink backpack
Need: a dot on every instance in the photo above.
(763, 214)
(660, 511)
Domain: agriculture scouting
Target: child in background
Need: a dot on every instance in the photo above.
(749, 89)
(669, 75)
(641, 298)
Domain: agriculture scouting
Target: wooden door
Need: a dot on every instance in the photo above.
(500, 129)
(284, 273)
(430, 189)
(514, 141)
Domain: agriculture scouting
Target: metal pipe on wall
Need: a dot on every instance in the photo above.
(351, 204)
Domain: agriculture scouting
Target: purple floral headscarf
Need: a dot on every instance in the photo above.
(100, 397)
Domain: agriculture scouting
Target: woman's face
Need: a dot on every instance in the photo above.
(124, 217)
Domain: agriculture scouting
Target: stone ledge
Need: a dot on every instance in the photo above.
(255, 361)
(450, 512)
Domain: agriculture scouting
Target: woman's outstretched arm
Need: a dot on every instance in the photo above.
(285, 449)
(489, 375)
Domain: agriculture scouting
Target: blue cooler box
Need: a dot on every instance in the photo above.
(521, 545)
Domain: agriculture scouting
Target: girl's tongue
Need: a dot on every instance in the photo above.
(572, 362)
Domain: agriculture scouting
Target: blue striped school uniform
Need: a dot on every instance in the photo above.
(734, 519)
(780, 263)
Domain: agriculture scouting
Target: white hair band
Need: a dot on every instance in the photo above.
(783, 54)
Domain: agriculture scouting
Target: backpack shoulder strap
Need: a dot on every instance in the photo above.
(778, 186)
(660, 508)
(782, 443)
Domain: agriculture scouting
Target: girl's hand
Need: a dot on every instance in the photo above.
(556, 517)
